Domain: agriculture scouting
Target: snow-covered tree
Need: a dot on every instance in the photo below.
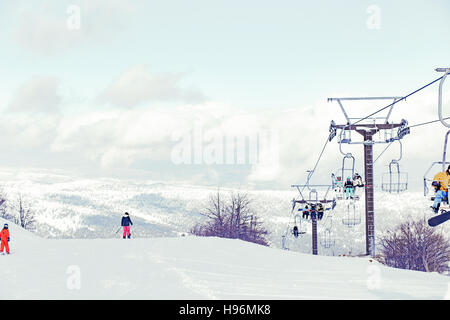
(3, 211)
(232, 218)
(416, 246)
(24, 215)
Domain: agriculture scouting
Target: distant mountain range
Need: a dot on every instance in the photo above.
(69, 207)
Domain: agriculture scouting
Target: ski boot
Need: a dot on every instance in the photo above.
(435, 210)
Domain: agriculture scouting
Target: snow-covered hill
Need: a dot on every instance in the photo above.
(196, 268)
(69, 207)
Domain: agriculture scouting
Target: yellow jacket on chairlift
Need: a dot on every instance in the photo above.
(444, 179)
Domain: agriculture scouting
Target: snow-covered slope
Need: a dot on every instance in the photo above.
(196, 268)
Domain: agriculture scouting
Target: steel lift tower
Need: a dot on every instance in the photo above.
(367, 127)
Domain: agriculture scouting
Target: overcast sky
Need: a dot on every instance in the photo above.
(163, 90)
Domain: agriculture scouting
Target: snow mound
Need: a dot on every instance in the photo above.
(196, 268)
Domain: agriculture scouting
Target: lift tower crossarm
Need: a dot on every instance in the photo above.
(386, 119)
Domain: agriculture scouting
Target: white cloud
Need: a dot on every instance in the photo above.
(137, 85)
(21, 132)
(121, 138)
(45, 30)
(37, 95)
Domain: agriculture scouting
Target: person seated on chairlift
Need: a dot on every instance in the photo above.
(338, 183)
(357, 181)
(295, 231)
(320, 211)
(349, 188)
(305, 214)
(313, 211)
(441, 181)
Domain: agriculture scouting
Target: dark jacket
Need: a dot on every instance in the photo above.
(348, 184)
(126, 221)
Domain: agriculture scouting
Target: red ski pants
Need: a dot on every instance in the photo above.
(4, 244)
(126, 231)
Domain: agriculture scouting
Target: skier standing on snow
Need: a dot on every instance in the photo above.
(126, 222)
(4, 239)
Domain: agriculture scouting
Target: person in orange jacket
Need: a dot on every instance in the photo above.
(4, 239)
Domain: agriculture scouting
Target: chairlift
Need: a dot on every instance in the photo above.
(299, 226)
(283, 243)
(352, 218)
(345, 136)
(296, 231)
(395, 180)
(441, 84)
(327, 239)
(442, 163)
(350, 170)
(347, 170)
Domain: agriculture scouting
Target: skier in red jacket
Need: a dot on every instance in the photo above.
(4, 239)
(126, 222)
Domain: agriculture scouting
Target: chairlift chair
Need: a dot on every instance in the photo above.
(326, 239)
(394, 181)
(299, 227)
(428, 180)
(352, 218)
(443, 163)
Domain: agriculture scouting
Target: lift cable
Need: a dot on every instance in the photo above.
(317, 162)
(383, 151)
(428, 122)
(401, 99)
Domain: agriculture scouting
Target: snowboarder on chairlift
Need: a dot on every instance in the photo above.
(440, 183)
(305, 214)
(4, 239)
(126, 222)
(349, 188)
